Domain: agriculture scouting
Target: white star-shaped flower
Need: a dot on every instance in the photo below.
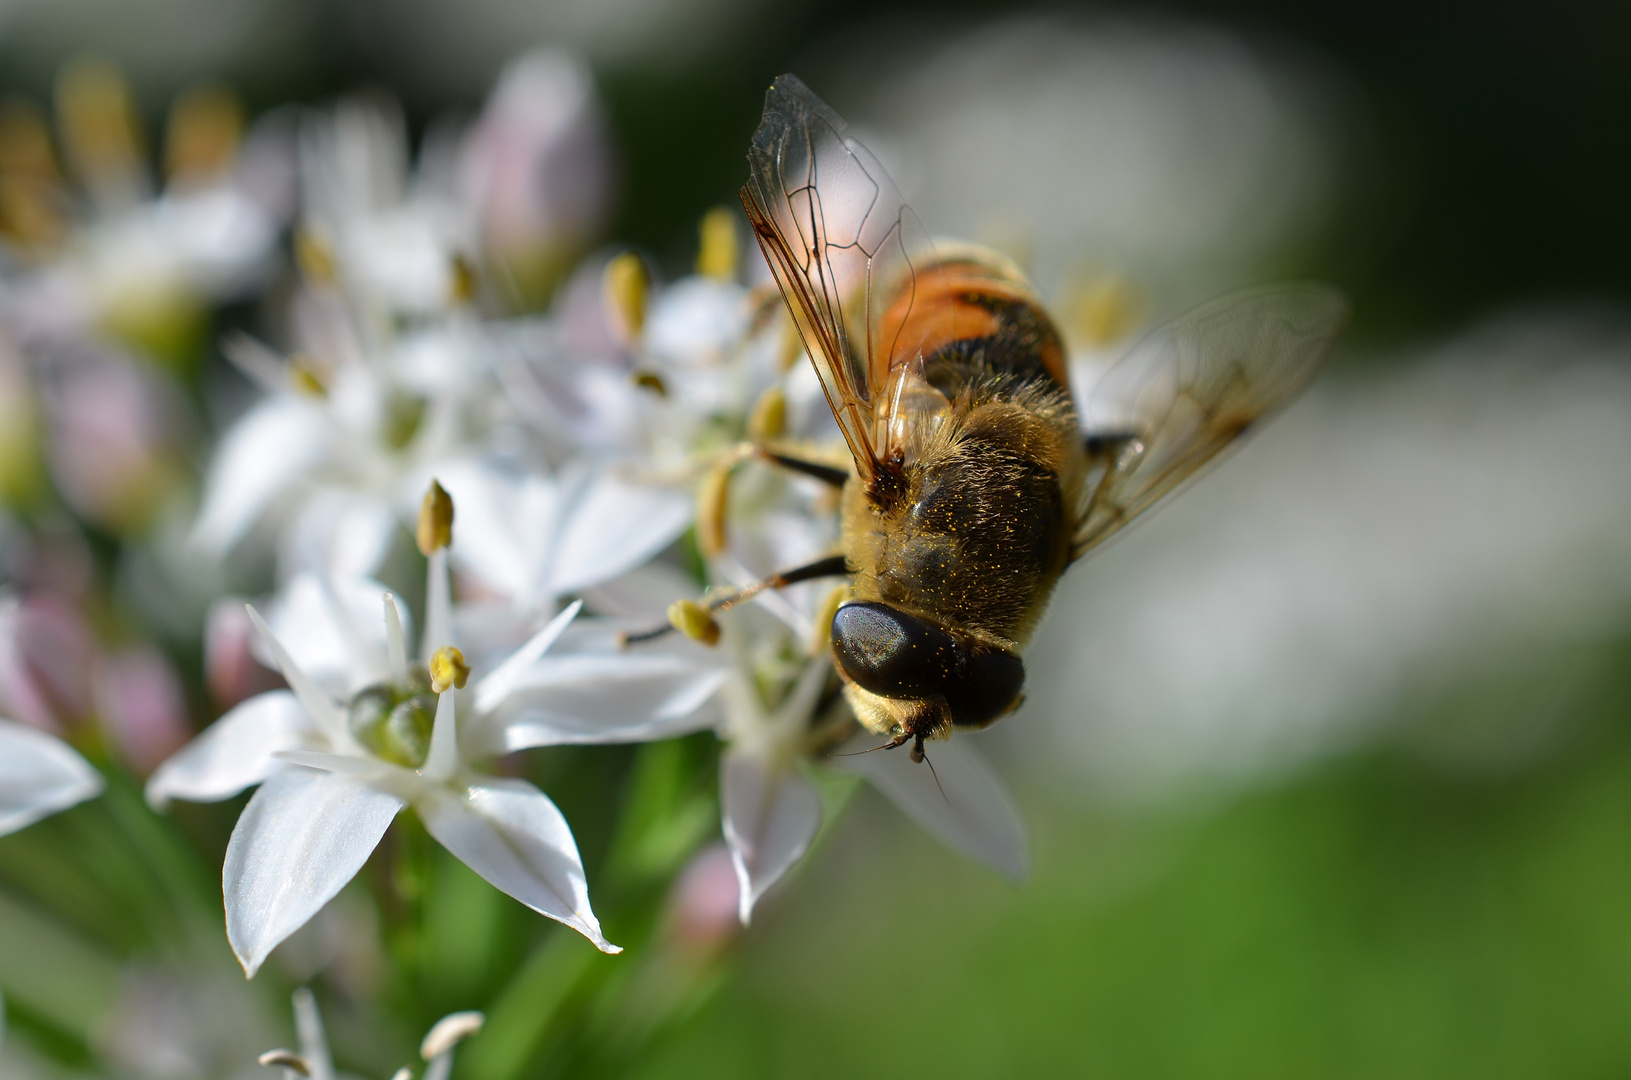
(335, 770)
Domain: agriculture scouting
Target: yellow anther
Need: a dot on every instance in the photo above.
(462, 280)
(206, 126)
(97, 118)
(1102, 309)
(717, 252)
(625, 287)
(650, 380)
(314, 256)
(447, 668)
(712, 497)
(694, 621)
(435, 530)
(307, 377)
(768, 420)
(821, 640)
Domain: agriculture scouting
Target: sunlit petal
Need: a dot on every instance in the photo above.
(615, 526)
(39, 775)
(300, 839)
(492, 690)
(322, 709)
(511, 834)
(234, 752)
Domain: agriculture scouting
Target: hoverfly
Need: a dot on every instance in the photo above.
(976, 480)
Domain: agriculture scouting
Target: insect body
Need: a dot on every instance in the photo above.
(976, 479)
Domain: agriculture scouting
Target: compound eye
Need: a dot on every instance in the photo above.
(891, 653)
(985, 688)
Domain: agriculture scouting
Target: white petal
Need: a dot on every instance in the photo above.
(615, 526)
(504, 528)
(388, 774)
(396, 642)
(300, 839)
(323, 710)
(257, 459)
(333, 630)
(338, 532)
(443, 759)
(961, 800)
(588, 689)
(642, 593)
(496, 686)
(234, 752)
(39, 775)
(771, 813)
(511, 834)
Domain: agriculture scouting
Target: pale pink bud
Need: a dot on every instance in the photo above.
(230, 669)
(702, 909)
(538, 160)
(143, 706)
(112, 435)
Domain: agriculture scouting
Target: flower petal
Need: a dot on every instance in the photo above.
(497, 685)
(506, 525)
(511, 834)
(300, 839)
(333, 630)
(771, 813)
(961, 800)
(323, 710)
(257, 459)
(587, 689)
(443, 759)
(614, 526)
(39, 775)
(234, 752)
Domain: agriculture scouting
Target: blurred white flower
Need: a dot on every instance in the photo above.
(336, 454)
(129, 263)
(39, 775)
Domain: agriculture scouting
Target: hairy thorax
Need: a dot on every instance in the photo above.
(973, 529)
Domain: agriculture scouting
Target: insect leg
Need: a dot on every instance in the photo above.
(827, 474)
(831, 566)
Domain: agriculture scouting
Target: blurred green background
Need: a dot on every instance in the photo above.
(1373, 909)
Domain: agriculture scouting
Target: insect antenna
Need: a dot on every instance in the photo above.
(921, 756)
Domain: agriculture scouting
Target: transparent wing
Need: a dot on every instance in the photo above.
(849, 256)
(1189, 389)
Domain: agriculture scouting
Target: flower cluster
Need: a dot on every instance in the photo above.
(553, 476)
